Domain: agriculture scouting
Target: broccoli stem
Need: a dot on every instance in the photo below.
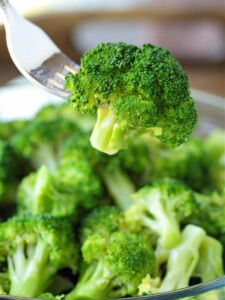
(29, 269)
(107, 136)
(92, 284)
(183, 259)
(119, 187)
(208, 268)
(162, 221)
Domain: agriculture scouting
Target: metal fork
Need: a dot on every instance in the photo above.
(34, 53)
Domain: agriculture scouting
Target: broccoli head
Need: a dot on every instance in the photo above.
(12, 168)
(8, 129)
(113, 267)
(103, 220)
(40, 192)
(133, 91)
(76, 176)
(54, 111)
(210, 214)
(36, 247)
(161, 208)
(41, 142)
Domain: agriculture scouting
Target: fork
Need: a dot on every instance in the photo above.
(34, 53)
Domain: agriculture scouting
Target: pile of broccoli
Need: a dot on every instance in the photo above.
(77, 223)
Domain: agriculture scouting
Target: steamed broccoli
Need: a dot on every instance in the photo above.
(77, 177)
(113, 266)
(36, 247)
(188, 163)
(198, 163)
(113, 171)
(210, 214)
(210, 265)
(161, 207)
(53, 111)
(182, 261)
(41, 141)
(8, 129)
(133, 91)
(12, 168)
(102, 220)
(39, 192)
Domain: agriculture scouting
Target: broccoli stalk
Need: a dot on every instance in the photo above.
(210, 265)
(160, 208)
(183, 259)
(133, 91)
(119, 186)
(36, 247)
(25, 270)
(113, 266)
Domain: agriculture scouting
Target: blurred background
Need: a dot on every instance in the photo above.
(192, 30)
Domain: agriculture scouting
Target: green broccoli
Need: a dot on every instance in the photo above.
(210, 265)
(8, 129)
(102, 220)
(161, 207)
(54, 111)
(110, 169)
(182, 262)
(198, 163)
(78, 177)
(41, 141)
(113, 266)
(214, 146)
(39, 192)
(12, 168)
(133, 91)
(188, 163)
(36, 247)
(210, 214)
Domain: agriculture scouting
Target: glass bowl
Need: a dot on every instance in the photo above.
(211, 109)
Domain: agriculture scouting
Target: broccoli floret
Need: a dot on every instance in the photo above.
(113, 267)
(109, 169)
(51, 112)
(214, 146)
(198, 163)
(181, 264)
(102, 220)
(210, 265)
(8, 129)
(188, 163)
(41, 141)
(76, 175)
(36, 247)
(40, 192)
(210, 214)
(12, 168)
(161, 207)
(133, 91)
